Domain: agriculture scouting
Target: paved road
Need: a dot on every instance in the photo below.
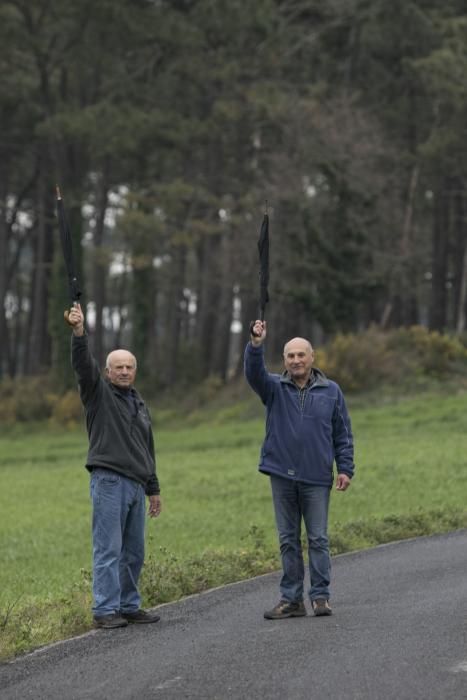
(398, 633)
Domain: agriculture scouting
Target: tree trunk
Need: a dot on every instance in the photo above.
(3, 272)
(38, 337)
(224, 308)
(174, 309)
(142, 317)
(401, 307)
(438, 305)
(248, 313)
(460, 261)
(120, 292)
(209, 291)
(99, 267)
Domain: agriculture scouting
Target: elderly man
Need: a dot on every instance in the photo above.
(307, 428)
(122, 465)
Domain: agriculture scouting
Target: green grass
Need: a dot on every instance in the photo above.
(217, 521)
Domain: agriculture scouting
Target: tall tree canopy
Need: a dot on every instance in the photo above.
(169, 125)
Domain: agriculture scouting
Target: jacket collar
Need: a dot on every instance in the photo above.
(122, 392)
(320, 378)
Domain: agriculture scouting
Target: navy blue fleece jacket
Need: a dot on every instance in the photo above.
(306, 429)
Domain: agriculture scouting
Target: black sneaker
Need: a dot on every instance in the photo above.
(321, 607)
(110, 622)
(285, 609)
(141, 617)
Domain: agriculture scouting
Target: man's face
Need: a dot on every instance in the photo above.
(121, 368)
(298, 358)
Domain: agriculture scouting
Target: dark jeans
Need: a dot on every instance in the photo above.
(294, 500)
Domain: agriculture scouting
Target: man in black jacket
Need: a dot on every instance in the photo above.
(121, 460)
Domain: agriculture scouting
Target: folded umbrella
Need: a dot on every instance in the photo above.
(67, 248)
(263, 250)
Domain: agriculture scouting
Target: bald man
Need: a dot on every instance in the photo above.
(121, 460)
(307, 430)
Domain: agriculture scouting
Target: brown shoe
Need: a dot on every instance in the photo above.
(285, 609)
(321, 607)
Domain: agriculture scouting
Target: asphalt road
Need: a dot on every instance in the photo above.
(398, 633)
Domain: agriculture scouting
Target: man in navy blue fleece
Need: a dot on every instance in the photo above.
(307, 430)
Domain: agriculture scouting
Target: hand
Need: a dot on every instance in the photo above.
(258, 333)
(342, 482)
(155, 506)
(75, 318)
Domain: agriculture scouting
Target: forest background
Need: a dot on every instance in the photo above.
(168, 125)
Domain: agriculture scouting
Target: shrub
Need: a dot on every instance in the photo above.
(363, 361)
(67, 410)
(432, 353)
(25, 399)
(30, 399)
(357, 361)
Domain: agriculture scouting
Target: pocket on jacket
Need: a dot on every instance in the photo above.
(319, 407)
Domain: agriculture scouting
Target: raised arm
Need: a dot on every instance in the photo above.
(85, 366)
(256, 373)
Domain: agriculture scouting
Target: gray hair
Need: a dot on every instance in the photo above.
(107, 362)
(303, 340)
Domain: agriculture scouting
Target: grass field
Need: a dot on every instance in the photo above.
(411, 459)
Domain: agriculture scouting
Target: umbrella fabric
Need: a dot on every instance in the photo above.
(67, 247)
(263, 249)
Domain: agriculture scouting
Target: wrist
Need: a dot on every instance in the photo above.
(78, 330)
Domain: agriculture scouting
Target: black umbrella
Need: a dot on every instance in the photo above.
(67, 247)
(263, 250)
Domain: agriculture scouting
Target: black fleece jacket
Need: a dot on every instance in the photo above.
(119, 429)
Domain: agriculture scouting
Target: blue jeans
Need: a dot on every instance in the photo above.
(294, 500)
(118, 541)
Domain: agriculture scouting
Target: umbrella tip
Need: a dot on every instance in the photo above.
(57, 190)
(265, 206)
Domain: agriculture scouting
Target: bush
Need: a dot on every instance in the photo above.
(364, 361)
(67, 410)
(30, 399)
(431, 353)
(356, 361)
(25, 399)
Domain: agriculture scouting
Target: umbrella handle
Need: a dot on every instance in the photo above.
(66, 313)
(252, 325)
